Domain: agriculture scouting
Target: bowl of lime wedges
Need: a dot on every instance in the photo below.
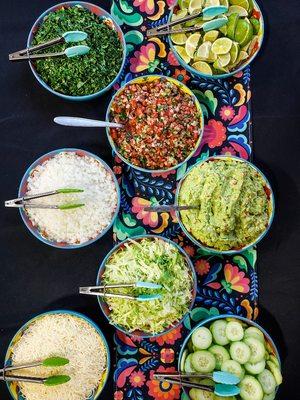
(220, 52)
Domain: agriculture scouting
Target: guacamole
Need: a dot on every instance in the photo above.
(234, 204)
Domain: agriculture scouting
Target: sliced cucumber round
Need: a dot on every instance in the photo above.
(188, 368)
(240, 352)
(267, 381)
(183, 358)
(202, 338)
(274, 360)
(218, 329)
(203, 361)
(269, 396)
(253, 331)
(220, 353)
(275, 371)
(251, 389)
(234, 368)
(255, 368)
(257, 349)
(234, 331)
(199, 394)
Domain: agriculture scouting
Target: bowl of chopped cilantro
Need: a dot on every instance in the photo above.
(84, 77)
(162, 123)
(153, 259)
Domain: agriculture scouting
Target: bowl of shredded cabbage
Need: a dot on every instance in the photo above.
(152, 259)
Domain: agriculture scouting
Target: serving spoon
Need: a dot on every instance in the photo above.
(85, 122)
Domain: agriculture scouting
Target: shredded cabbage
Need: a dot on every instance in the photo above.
(149, 260)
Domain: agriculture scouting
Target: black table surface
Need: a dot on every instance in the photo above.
(35, 278)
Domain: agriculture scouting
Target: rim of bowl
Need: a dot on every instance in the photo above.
(39, 161)
(271, 200)
(75, 314)
(177, 83)
(223, 316)
(117, 28)
(138, 333)
(196, 73)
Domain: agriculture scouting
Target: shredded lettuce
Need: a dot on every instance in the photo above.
(149, 260)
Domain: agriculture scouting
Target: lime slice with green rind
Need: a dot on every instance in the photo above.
(211, 36)
(191, 44)
(224, 3)
(179, 38)
(183, 3)
(251, 6)
(183, 54)
(231, 25)
(219, 69)
(203, 51)
(237, 9)
(203, 67)
(252, 45)
(195, 6)
(234, 52)
(210, 3)
(241, 3)
(243, 32)
(194, 22)
(256, 25)
(212, 57)
(222, 46)
(224, 59)
(181, 14)
(223, 29)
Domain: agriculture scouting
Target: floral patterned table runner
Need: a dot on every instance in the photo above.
(226, 284)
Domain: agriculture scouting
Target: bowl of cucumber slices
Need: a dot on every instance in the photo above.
(236, 345)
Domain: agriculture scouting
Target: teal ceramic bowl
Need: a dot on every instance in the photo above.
(104, 306)
(268, 190)
(23, 189)
(14, 388)
(104, 15)
(206, 322)
(150, 78)
(258, 15)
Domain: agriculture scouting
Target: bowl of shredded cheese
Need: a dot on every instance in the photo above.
(65, 334)
(70, 168)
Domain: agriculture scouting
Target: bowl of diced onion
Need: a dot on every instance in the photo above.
(100, 198)
(236, 345)
(222, 52)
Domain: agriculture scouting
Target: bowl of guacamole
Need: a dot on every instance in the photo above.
(235, 204)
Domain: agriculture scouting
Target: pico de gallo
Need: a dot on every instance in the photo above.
(161, 124)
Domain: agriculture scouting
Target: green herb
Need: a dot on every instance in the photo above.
(56, 380)
(86, 74)
(55, 362)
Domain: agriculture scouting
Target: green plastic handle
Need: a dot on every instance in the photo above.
(69, 190)
(55, 362)
(69, 206)
(56, 380)
(74, 36)
(75, 51)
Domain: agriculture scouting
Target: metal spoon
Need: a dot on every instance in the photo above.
(85, 122)
(169, 208)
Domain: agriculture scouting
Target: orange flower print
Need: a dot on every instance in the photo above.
(146, 6)
(169, 337)
(118, 395)
(137, 379)
(181, 75)
(149, 218)
(163, 390)
(235, 280)
(227, 113)
(190, 250)
(144, 59)
(167, 356)
(202, 267)
(228, 151)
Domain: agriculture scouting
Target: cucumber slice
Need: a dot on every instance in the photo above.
(274, 360)
(202, 338)
(240, 352)
(220, 353)
(257, 349)
(275, 371)
(267, 355)
(234, 368)
(183, 358)
(269, 396)
(252, 330)
(218, 329)
(251, 389)
(199, 394)
(234, 331)
(267, 381)
(255, 368)
(188, 368)
(203, 361)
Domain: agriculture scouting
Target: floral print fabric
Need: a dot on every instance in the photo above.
(226, 284)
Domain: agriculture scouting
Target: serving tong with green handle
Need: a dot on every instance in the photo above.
(50, 362)
(225, 383)
(101, 291)
(67, 37)
(208, 12)
(24, 202)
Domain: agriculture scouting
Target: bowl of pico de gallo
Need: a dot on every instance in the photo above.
(162, 123)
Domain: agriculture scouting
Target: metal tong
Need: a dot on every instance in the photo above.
(49, 362)
(101, 291)
(68, 37)
(169, 208)
(24, 202)
(208, 12)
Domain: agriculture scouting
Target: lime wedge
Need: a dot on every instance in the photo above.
(224, 59)
(218, 67)
(224, 3)
(251, 6)
(243, 32)
(237, 9)
(183, 3)
(256, 24)
(221, 46)
(252, 45)
(223, 30)
(234, 52)
(180, 14)
(211, 36)
(212, 57)
(203, 52)
(210, 3)
(202, 67)
(183, 54)
(179, 38)
(241, 3)
(194, 22)
(195, 6)
(191, 44)
(231, 25)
